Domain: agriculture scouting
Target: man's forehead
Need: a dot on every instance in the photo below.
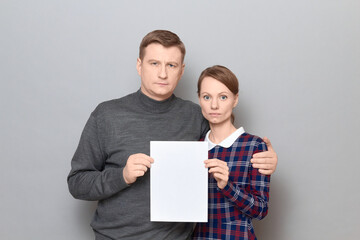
(158, 51)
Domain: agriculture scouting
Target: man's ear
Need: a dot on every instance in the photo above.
(182, 69)
(138, 66)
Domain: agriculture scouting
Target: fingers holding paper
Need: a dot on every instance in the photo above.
(219, 170)
(136, 166)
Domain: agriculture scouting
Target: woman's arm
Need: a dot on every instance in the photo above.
(250, 199)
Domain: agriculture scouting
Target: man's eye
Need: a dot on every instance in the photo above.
(172, 65)
(223, 97)
(154, 63)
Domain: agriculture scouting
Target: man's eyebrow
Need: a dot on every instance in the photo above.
(174, 62)
(152, 60)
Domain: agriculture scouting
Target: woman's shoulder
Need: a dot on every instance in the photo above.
(251, 140)
(251, 137)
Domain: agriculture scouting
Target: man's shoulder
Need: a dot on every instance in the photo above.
(113, 105)
(188, 104)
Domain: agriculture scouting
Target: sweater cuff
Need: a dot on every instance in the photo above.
(117, 182)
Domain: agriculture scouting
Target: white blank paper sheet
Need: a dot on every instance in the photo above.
(178, 181)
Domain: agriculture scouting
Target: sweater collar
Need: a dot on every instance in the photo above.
(154, 106)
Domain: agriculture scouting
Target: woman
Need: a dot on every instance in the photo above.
(237, 191)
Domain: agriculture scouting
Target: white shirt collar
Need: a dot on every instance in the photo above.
(227, 142)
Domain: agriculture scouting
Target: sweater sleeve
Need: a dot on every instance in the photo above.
(88, 179)
(252, 200)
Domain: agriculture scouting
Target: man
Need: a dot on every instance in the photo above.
(112, 160)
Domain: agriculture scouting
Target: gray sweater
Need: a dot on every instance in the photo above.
(115, 130)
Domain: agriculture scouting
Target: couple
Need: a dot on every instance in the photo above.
(111, 162)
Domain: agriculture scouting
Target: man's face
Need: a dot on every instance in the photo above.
(160, 71)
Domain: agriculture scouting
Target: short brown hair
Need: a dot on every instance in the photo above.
(163, 37)
(223, 75)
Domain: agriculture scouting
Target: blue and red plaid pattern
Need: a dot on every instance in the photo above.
(245, 197)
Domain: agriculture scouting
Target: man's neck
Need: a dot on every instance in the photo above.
(158, 98)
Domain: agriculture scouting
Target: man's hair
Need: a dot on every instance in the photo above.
(163, 37)
(223, 75)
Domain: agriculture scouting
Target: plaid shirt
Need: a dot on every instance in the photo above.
(245, 197)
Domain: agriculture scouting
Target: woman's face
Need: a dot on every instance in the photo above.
(216, 101)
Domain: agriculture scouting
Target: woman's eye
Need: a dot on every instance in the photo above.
(206, 97)
(223, 97)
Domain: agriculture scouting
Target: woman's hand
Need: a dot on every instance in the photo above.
(219, 170)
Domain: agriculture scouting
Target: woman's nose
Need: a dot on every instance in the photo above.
(214, 104)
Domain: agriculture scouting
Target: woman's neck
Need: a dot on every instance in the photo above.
(219, 132)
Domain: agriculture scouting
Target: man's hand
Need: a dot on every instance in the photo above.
(219, 170)
(136, 166)
(265, 161)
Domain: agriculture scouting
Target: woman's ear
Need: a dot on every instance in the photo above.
(236, 100)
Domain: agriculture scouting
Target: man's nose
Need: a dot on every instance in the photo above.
(163, 72)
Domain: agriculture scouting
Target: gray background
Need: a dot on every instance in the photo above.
(298, 63)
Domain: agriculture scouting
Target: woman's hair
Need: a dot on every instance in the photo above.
(163, 37)
(223, 75)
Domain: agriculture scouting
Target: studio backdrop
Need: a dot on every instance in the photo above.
(298, 64)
